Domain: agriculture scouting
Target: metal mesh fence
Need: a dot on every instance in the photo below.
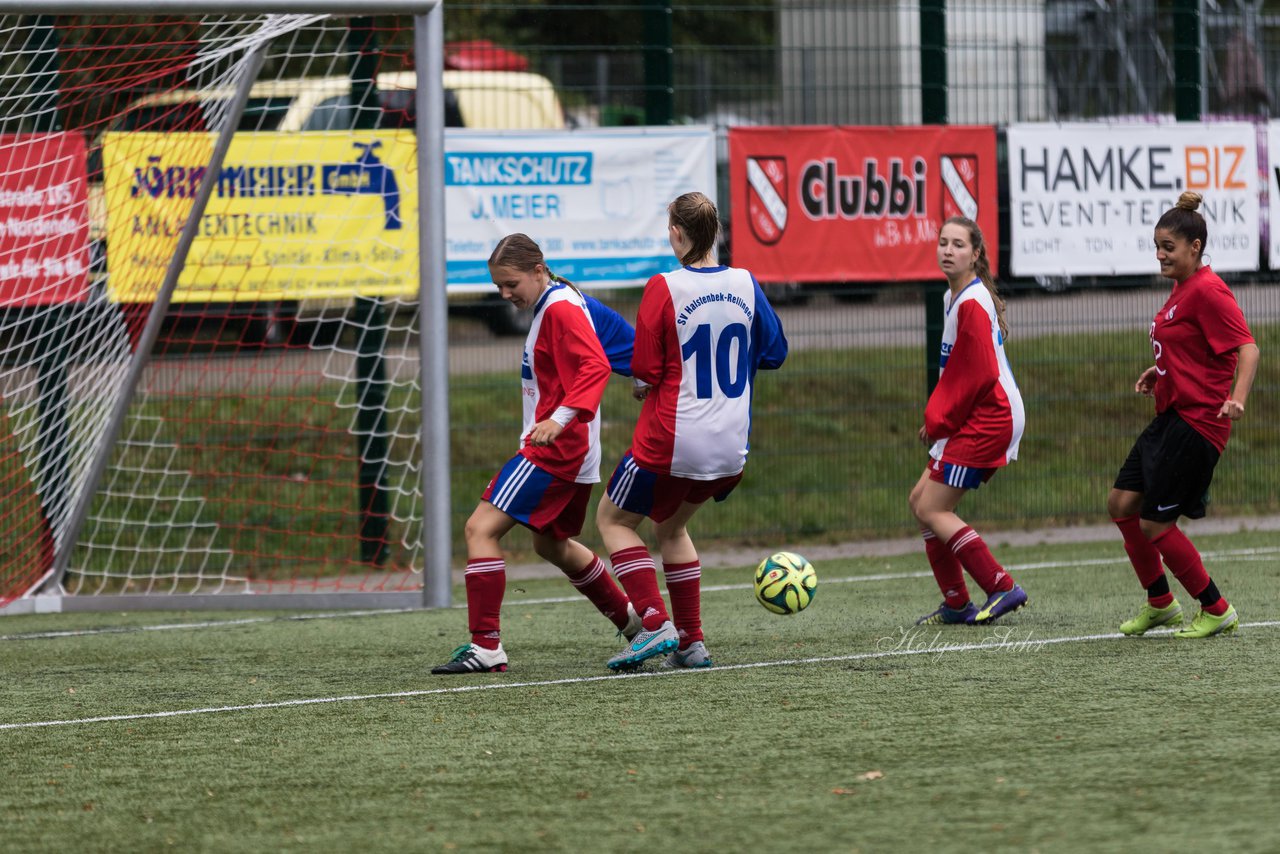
(830, 61)
(834, 449)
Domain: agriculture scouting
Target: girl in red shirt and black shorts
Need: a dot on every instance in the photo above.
(1200, 341)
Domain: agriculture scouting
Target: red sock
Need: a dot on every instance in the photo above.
(486, 580)
(947, 571)
(684, 586)
(978, 561)
(1218, 608)
(598, 585)
(1182, 559)
(638, 576)
(1144, 556)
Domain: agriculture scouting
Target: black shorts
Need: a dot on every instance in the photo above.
(1172, 466)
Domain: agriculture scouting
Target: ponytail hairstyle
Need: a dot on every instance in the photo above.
(520, 252)
(982, 267)
(1185, 221)
(696, 214)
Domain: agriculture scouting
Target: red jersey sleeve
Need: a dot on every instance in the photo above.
(970, 373)
(1226, 330)
(653, 320)
(580, 361)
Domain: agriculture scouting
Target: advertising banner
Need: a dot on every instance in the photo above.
(315, 215)
(1084, 199)
(595, 201)
(292, 216)
(44, 220)
(1272, 182)
(823, 204)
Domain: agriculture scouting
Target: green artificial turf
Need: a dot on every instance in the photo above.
(842, 728)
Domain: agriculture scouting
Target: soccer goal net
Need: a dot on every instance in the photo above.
(210, 371)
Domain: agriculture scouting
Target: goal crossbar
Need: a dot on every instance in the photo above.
(283, 7)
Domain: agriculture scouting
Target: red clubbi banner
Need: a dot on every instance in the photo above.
(831, 204)
(44, 220)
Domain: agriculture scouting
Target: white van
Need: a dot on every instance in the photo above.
(498, 100)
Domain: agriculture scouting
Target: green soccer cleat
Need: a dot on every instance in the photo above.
(1151, 617)
(1205, 625)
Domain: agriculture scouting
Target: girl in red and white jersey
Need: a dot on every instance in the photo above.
(974, 421)
(701, 333)
(567, 359)
(1200, 341)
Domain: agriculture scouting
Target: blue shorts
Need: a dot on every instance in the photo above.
(658, 496)
(961, 477)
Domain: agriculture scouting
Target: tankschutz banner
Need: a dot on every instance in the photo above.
(595, 201)
(1084, 198)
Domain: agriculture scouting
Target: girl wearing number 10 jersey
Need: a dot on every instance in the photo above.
(701, 333)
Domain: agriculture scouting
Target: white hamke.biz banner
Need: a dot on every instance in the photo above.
(1084, 199)
(595, 201)
(1273, 186)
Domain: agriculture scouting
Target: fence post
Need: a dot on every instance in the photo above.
(369, 315)
(659, 85)
(1188, 61)
(933, 109)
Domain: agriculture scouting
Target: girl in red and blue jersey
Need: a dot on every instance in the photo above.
(573, 344)
(1200, 341)
(973, 423)
(701, 333)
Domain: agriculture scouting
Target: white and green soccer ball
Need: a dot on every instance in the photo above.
(785, 583)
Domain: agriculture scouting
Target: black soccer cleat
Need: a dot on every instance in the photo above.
(470, 658)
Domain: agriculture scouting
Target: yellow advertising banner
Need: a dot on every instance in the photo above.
(293, 215)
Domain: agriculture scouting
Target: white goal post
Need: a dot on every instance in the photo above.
(223, 337)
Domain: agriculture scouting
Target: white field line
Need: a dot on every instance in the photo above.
(911, 648)
(1264, 553)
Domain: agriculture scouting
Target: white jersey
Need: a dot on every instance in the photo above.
(701, 333)
(976, 411)
(564, 365)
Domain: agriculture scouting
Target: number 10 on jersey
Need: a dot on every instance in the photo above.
(722, 359)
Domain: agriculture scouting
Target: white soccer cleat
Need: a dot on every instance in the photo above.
(470, 658)
(645, 646)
